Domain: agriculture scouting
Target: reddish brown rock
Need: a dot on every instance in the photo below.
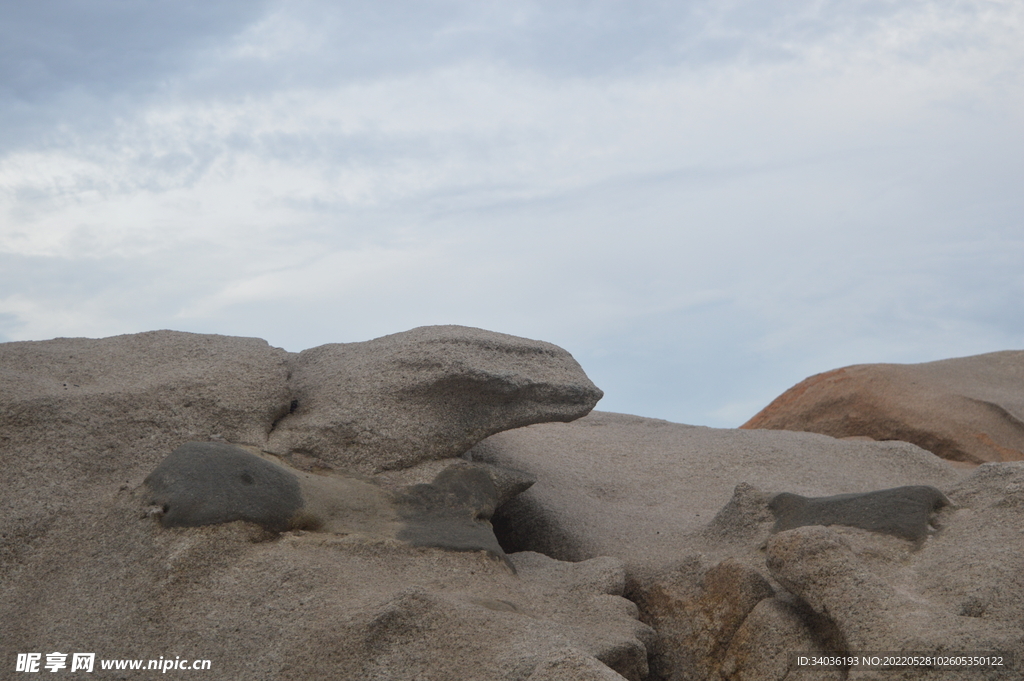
(969, 409)
(696, 610)
(762, 648)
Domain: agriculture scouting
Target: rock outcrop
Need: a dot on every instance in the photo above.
(644, 490)
(307, 605)
(961, 592)
(969, 409)
(79, 415)
(429, 393)
(140, 497)
(696, 611)
(318, 515)
(735, 585)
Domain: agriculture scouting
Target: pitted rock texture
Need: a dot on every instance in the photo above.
(84, 422)
(649, 492)
(428, 393)
(846, 590)
(969, 409)
(309, 605)
(960, 591)
(78, 412)
(78, 415)
(762, 647)
(352, 600)
(110, 389)
(500, 627)
(875, 613)
(975, 565)
(573, 665)
(902, 511)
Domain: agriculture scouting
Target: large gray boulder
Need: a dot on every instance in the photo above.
(78, 414)
(643, 490)
(140, 498)
(75, 411)
(735, 584)
(428, 393)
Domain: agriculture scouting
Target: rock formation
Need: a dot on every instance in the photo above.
(328, 514)
(733, 587)
(429, 393)
(969, 409)
(297, 565)
(639, 489)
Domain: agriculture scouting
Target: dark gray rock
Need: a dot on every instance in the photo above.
(454, 511)
(206, 483)
(901, 511)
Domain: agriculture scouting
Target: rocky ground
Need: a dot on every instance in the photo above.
(443, 504)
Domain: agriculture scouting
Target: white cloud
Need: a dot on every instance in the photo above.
(335, 275)
(791, 184)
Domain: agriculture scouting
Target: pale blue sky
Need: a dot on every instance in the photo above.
(704, 202)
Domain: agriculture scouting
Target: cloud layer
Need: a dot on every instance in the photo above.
(704, 203)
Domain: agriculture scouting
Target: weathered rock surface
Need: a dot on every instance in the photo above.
(429, 393)
(307, 605)
(969, 409)
(685, 506)
(84, 422)
(572, 665)
(76, 411)
(77, 414)
(763, 646)
(350, 583)
(867, 588)
(643, 490)
(849, 590)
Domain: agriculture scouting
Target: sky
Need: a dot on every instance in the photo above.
(704, 202)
